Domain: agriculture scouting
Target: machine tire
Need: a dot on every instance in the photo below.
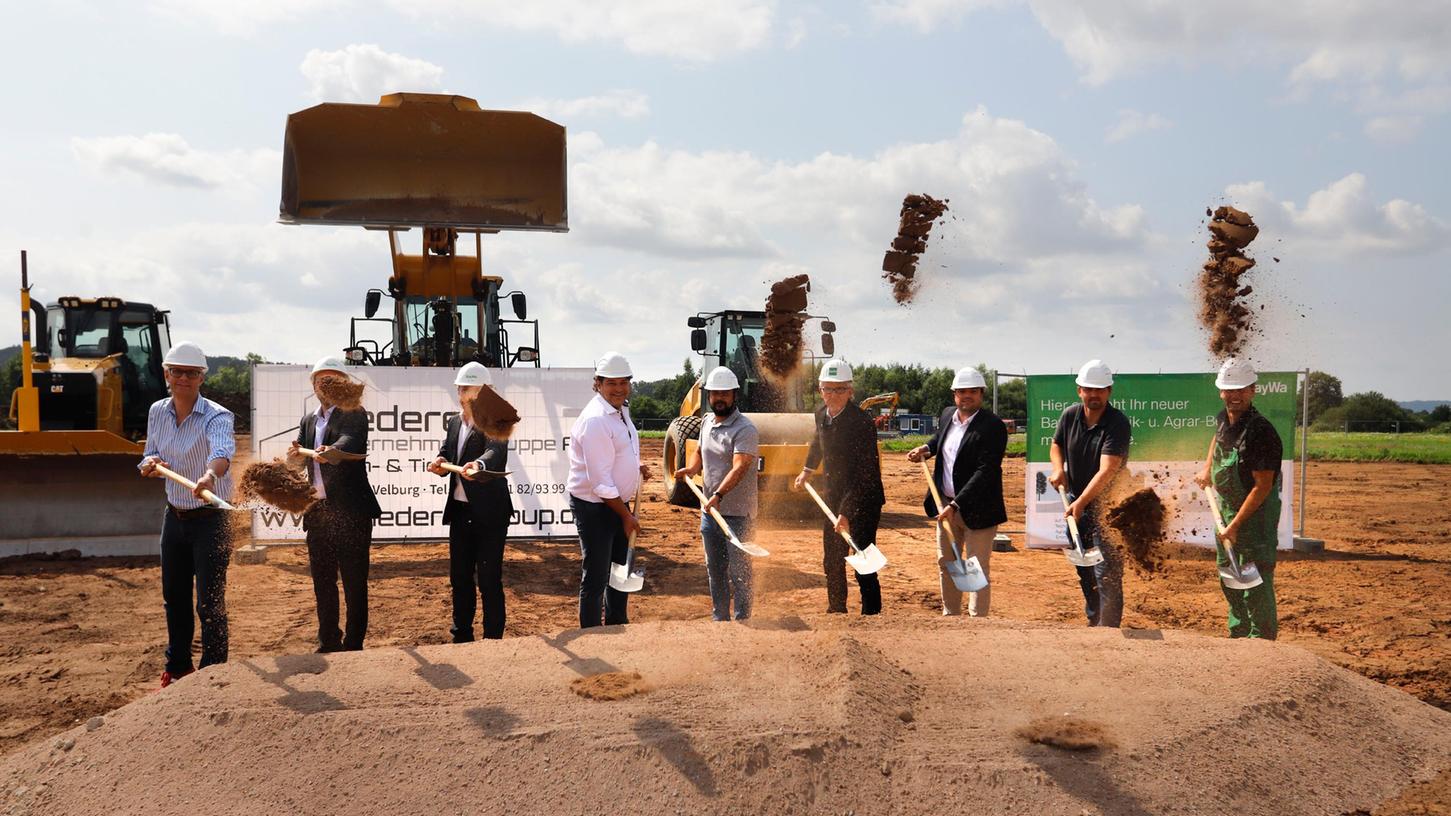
(679, 430)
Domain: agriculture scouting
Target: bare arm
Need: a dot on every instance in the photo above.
(1108, 467)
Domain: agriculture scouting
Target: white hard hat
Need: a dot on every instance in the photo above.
(186, 353)
(1236, 373)
(835, 371)
(968, 377)
(613, 365)
(473, 374)
(721, 379)
(1095, 374)
(329, 364)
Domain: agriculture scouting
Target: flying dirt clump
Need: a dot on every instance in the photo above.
(1065, 731)
(1139, 520)
(899, 265)
(342, 392)
(277, 484)
(491, 413)
(1222, 311)
(609, 686)
(785, 318)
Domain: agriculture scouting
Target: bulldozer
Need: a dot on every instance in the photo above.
(441, 164)
(90, 371)
(732, 338)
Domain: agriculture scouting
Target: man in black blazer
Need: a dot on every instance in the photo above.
(477, 512)
(969, 447)
(846, 445)
(339, 526)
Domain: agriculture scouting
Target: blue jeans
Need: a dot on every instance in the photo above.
(602, 541)
(1102, 583)
(728, 569)
(194, 550)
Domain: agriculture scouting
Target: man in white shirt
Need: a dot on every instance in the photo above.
(604, 474)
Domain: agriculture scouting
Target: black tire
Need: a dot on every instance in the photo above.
(679, 430)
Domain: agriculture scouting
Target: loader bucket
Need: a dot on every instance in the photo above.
(423, 160)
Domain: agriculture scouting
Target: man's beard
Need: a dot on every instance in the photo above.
(721, 409)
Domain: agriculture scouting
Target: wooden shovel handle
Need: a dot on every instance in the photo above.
(832, 517)
(209, 496)
(452, 468)
(937, 497)
(1072, 522)
(714, 513)
(1213, 496)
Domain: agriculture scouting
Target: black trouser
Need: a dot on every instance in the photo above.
(339, 544)
(194, 550)
(476, 550)
(602, 541)
(863, 527)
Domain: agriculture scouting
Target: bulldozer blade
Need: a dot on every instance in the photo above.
(77, 496)
(424, 160)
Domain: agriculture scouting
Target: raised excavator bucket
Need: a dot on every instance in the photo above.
(424, 160)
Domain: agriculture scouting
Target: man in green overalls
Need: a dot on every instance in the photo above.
(1244, 467)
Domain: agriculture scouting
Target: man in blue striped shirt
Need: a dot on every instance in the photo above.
(191, 435)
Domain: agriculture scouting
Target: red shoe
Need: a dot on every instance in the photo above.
(167, 678)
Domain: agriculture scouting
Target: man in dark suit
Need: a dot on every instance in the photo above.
(477, 512)
(339, 526)
(969, 447)
(846, 445)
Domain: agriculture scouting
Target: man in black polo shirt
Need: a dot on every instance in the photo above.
(1089, 449)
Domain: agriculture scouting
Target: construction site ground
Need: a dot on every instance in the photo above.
(80, 637)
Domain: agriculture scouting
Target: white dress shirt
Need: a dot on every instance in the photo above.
(604, 453)
(951, 444)
(319, 430)
(464, 429)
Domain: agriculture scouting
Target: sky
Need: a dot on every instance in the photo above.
(716, 146)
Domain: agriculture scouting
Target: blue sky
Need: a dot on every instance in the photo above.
(716, 146)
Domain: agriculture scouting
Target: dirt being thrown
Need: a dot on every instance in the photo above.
(343, 392)
(785, 318)
(1139, 520)
(1222, 292)
(277, 484)
(491, 413)
(609, 686)
(1068, 732)
(899, 265)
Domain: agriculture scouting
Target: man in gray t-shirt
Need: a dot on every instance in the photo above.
(729, 445)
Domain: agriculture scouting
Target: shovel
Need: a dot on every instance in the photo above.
(627, 577)
(966, 574)
(459, 471)
(332, 456)
(750, 549)
(207, 495)
(866, 561)
(1076, 555)
(1234, 576)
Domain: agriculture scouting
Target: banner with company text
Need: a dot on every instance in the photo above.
(407, 409)
(1173, 422)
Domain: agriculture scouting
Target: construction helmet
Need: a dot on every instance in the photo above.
(968, 377)
(186, 353)
(835, 371)
(613, 365)
(721, 378)
(329, 364)
(473, 374)
(1095, 374)
(1235, 374)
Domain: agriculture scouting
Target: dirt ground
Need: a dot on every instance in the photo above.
(81, 637)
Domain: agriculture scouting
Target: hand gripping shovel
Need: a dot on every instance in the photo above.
(751, 549)
(332, 456)
(207, 495)
(866, 561)
(1076, 555)
(627, 577)
(966, 574)
(479, 475)
(1234, 576)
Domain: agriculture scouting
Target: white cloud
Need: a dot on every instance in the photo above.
(926, 15)
(241, 19)
(626, 104)
(363, 72)
(167, 158)
(1393, 129)
(1344, 219)
(1131, 123)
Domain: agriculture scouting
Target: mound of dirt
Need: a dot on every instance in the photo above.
(1222, 310)
(277, 484)
(1139, 520)
(491, 413)
(781, 342)
(863, 715)
(1066, 731)
(343, 392)
(899, 265)
(609, 685)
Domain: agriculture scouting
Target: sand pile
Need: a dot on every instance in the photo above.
(867, 716)
(1222, 310)
(609, 685)
(1139, 520)
(277, 484)
(899, 265)
(781, 343)
(491, 413)
(340, 391)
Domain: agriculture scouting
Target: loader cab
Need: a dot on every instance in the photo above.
(733, 339)
(446, 330)
(99, 364)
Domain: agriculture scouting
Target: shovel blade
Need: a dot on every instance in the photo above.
(1248, 577)
(751, 549)
(868, 562)
(625, 579)
(967, 575)
(1085, 558)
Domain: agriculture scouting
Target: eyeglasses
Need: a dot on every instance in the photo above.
(185, 373)
(835, 390)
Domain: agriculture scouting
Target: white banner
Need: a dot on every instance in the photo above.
(407, 410)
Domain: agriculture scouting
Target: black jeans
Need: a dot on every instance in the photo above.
(602, 541)
(194, 550)
(339, 544)
(863, 527)
(476, 550)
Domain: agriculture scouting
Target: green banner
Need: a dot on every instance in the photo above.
(1172, 414)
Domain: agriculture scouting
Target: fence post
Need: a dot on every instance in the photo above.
(1301, 542)
(995, 391)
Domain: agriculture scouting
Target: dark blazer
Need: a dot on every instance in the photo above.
(848, 447)
(489, 501)
(346, 483)
(977, 473)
